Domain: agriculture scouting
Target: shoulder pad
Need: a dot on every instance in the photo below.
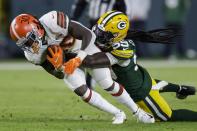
(57, 22)
(123, 50)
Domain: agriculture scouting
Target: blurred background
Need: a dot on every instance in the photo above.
(144, 14)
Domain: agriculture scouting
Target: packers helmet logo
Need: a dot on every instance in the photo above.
(122, 25)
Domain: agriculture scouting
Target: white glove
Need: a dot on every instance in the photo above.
(143, 116)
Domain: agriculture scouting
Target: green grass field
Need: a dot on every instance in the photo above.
(32, 100)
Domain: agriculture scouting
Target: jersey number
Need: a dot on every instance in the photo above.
(123, 44)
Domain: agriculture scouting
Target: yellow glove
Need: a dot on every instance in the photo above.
(55, 56)
(71, 65)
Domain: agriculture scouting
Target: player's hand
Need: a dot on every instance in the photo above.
(71, 65)
(55, 56)
(144, 117)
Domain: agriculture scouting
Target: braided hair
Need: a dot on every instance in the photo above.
(163, 36)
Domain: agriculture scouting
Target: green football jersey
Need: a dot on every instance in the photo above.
(133, 77)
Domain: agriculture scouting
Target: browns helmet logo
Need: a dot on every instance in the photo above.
(23, 24)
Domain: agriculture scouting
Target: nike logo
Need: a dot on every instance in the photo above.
(56, 59)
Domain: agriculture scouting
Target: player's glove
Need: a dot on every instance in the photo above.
(143, 116)
(55, 56)
(71, 65)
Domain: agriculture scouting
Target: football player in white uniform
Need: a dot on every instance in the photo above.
(34, 36)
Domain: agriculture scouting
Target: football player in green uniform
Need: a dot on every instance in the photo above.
(120, 54)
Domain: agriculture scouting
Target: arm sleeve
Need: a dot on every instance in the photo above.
(81, 32)
(51, 70)
(78, 9)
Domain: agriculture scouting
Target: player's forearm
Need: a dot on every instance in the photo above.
(51, 70)
(97, 60)
(58, 74)
(81, 32)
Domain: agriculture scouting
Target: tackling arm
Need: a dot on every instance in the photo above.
(80, 32)
(97, 60)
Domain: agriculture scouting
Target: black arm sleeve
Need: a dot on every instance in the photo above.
(80, 6)
(97, 60)
(120, 6)
(81, 32)
(51, 70)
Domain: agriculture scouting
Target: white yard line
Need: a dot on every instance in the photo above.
(168, 64)
(144, 63)
(18, 66)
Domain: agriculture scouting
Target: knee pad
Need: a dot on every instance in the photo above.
(105, 84)
(75, 80)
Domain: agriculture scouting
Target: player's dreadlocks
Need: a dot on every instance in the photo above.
(164, 36)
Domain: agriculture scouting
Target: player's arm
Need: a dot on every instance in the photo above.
(103, 59)
(45, 64)
(54, 60)
(97, 60)
(122, 51)
(51, 70)
(78, 31)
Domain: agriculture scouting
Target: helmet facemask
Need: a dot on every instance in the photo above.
(31, 43)
(114, 25)
(103, 38)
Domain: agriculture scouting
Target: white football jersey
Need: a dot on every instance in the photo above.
(56, 27)
(91, 49)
